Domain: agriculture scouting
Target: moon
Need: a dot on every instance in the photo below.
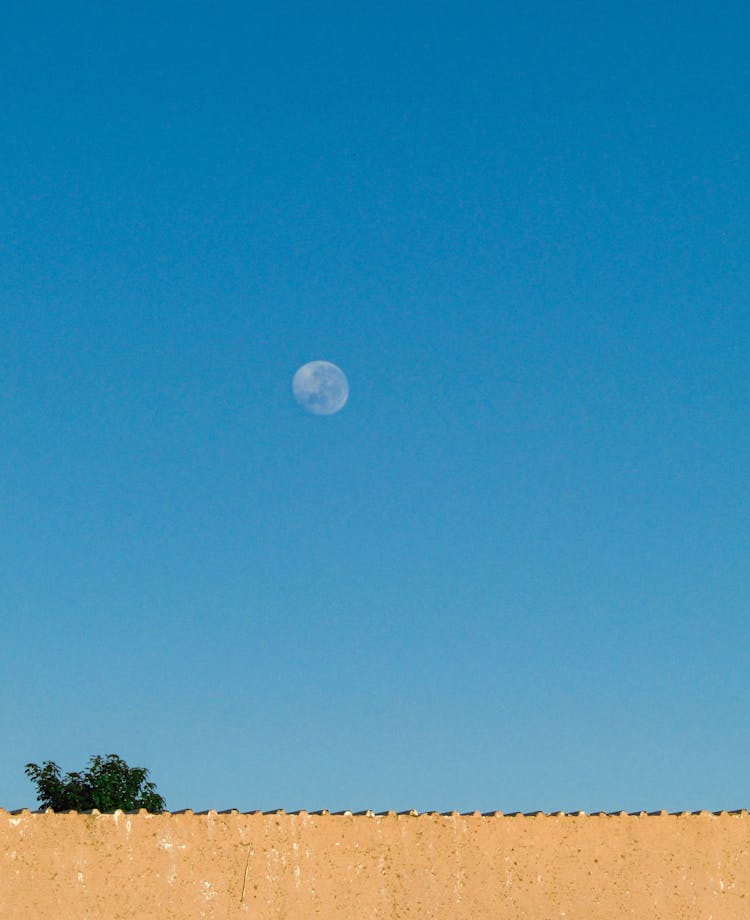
(320, 387)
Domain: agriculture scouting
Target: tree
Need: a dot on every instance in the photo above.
(109, 783)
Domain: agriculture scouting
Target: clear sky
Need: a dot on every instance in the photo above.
(514, 571)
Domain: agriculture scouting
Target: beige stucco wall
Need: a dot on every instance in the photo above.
(353, 867)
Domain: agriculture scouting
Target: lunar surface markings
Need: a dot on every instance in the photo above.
(320, 387)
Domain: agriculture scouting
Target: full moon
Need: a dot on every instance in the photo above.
(320, 387)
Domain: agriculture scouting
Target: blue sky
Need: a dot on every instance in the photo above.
(512, 573)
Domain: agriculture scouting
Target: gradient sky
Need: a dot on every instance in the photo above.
(514, 571)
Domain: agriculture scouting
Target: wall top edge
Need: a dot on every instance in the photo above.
(233, 812)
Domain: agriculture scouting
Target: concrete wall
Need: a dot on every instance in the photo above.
(353, 867)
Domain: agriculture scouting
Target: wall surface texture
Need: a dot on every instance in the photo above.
(355, 867)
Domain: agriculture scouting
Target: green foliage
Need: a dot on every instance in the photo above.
(108, 784)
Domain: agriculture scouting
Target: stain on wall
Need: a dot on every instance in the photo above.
(262, 866)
